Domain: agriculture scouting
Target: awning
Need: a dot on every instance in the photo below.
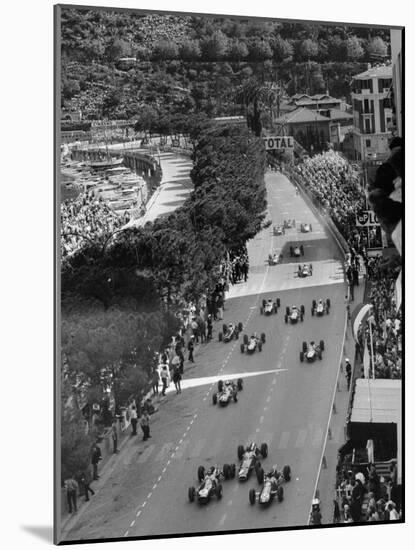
(380, 402)
(359, 315)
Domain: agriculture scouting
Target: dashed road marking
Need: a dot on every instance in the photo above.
(159, 479)
(274, 381)
(144, 503)
(138, 513)
(149, 494)
(164, 470)
(261, 420)
(268, 399)
(126, 534)
(132, 523)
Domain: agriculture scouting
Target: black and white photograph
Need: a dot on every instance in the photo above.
(229, 353)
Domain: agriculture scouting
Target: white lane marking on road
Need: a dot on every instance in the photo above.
(155, 486)
(164, 470)
(149, 494)
(274, 381)
(172, 455)
(268, 399)
(261, 420)
(168, 462)
(132, 523)
(204, 399)
(138, 513)
(126, 533)
(222, 520)
(265, 409)
(195, 416)
(159, 479)
(302, 436)
(145, 454)
(187, 429)
(144, 503)
(285, 436)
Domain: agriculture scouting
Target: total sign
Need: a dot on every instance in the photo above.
(365, 218)
(278, 142)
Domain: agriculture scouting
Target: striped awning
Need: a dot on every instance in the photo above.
(359, 315)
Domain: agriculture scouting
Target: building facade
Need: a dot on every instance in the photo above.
(372, 112)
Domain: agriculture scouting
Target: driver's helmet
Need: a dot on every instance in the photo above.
(275, 469)
(320, 301)
(228, 383)
(252, 447)
(211, 470)
(312, 343)
(294, 307)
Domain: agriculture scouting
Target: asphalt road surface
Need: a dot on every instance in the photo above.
(284, 403)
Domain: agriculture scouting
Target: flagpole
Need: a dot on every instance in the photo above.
(371, 347)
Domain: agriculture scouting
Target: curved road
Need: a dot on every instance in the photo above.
(285, 403)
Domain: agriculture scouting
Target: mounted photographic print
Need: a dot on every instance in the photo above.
(229, 311)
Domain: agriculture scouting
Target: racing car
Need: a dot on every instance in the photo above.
(272, 486)
(305, 270)
(311, 351)
(306, 228)
(288, 224)
(270, 306)
(296, 251)
(249, 460)
(278, 230)
(321, 307)
(254, 343)
(227, 391)
(274, 259)
(230, 331)
(210, 483)
(293, 314)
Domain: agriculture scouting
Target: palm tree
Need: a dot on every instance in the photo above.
(256, 98)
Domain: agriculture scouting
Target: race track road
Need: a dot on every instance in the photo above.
(287, 406)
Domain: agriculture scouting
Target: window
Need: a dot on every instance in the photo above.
(367, 142)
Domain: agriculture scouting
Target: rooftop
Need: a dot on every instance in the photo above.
(302, 115)
(382, 71)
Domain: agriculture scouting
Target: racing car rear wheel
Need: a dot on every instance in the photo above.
(220, 385)
(224, 328)
(241, 451)
(264, 450)
(235, 397)
(201, 473)
(311, 229)
(313, 304)
(260, 346)
(301, 356)
(226, 471)
(320, 355)
(312, 311)
(286, 318)
(192, 493)
(240, 326)
(264, 303)
(302, 309)
(261, 309)
(214, 398)
(280, 494)
(233, 471)
(302, 317)
(219, 491)
(328, 303)
(220, 337)
(322, 345)
(278, 302)
(242, 348)
(260, 474)
(263, 337)
(286, 473)
(252, 496)
(287, 310)
(236, 334)
(240, 384)
(304, 347)
(246, 340)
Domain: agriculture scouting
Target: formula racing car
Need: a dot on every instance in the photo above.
(305, 270)
(311, 351)
(296, 251)
(229, 332)
(306, 228)
(294, 314)
(278, 230)
(249, 460)
(272, 486)
(321, 307)
(270, 306)
(254, 343)
(227, 391)
(274, 259)
(210, 483)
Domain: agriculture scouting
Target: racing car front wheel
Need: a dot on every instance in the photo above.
(214, 398)
(235, 397)
(220, 385)
(328, 303)
(259, 346)
(219, 491)
(301, 356)
(261, 309)
(246, 340)
(226, 471)
(304, 347)
(278, 302)
(252, 496)
(192, 493)
(286, 473)
(224, 328)
(286, 318)
(260, 474)
(263, 337)
(220, 337)
(242, 348)
(241, 451)
(233, 471)
(240, 384)
(240, 326)
(322, 345)
(302, 309)
(264, 302)
(301, 317)
(312, 311)
(264, 450)
(280, 494)
(287, 310)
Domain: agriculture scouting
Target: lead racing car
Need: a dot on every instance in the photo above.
(296, 251)
(249, 460)
(227, 391)
(294, 314)
(306, 228)
(270, 306)
(305, 270)
(230, 331)
(321, 307)
(252, 344)
(311, 351)
(210, 483)
(272, 486)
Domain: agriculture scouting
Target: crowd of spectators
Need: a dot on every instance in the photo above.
(336, 187)
(84, 219)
